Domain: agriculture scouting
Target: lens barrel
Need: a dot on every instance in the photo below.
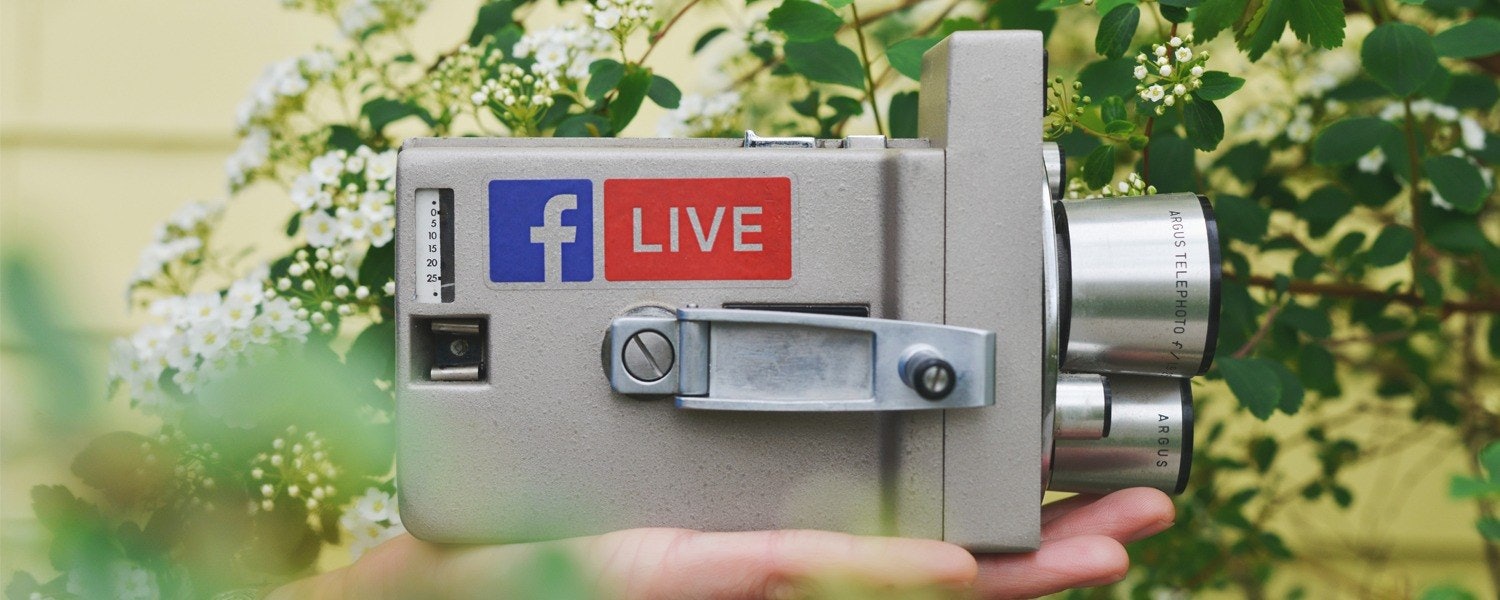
(1139, 284)
(1149, 441)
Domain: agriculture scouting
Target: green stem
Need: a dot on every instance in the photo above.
(1420, 239)
(864, 55)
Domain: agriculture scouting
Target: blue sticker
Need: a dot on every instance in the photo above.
(541, 230)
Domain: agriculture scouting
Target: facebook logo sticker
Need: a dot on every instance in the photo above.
(541, 230)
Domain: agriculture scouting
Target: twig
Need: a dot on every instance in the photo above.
(1346, 290)
(1260, 334)
(1420, 242)
(656, 37)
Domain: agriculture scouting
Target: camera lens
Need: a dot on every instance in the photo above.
(1149, 439)
(1139, 284)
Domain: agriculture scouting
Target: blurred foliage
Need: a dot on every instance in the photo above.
(1354, 191)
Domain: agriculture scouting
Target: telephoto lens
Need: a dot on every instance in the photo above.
(1139, 279)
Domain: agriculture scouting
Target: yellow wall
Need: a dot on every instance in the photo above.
(114, 113)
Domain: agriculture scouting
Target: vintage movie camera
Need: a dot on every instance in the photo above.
(910, 337)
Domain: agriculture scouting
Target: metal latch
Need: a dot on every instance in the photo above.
(752, 360)
(755, 141)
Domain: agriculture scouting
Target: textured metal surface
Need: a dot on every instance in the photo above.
(1144, 285)
(1149, 442)
(548, 450)
(979, 101)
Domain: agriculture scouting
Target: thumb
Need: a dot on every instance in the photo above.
(664, 564)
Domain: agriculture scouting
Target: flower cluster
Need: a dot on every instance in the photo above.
(703, 116)
(370, 520)
(1170, 73)
(191, 461)
(124, 579)
(296, 470)
(323, 288)
(1133, 185)
(279, 92)
(517, 97)
(177, 245)
(362, 18)
(202, 337)
(619, 17)
(1451, 133)
(565, 53)
(345, 200)
(1064, 106)
(460, 74)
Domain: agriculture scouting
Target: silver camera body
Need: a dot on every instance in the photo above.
(903, 337)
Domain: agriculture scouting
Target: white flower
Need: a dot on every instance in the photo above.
(606, 19)
(381, 232)
(1140, 71)
(1372, 161)
(353, 224)
(1175, 42)
(1165, 70)
(206, 338)
(1154, 93)
(381, 167)
(1179, 90)
(1473, 133)
(1299, 131)
(305, 191)
(123, 580)
(321, 229)
(1159, 50)
(1197, 70)
(375, 505)
(328, 168)
(389, 288)
(1183, 54)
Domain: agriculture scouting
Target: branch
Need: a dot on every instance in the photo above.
(1259, 334)
(1349, 290)
(864, 56)
(656, 37)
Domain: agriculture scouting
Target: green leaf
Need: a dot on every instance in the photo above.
(1446, 592)
(1116, 30)
(664, 93)
(905, 56)
(1172, 165)
(1275, 545)
(708, 36)
(1399, 56)
(1291, 390)
(803, 21)
(1320, 23)
(1112, 109)
(1119, 128)
(1489, 458)
(586, 125)
(1109, 77)
(1023, 14)
(1241, 219)
(1473, 39)
(1265, 27)
(344, 137)
(903, 115)
(294, 224)
(1099, 167)
(493, 16)
(384, 111)
(837, 4)
(1218, 85)
(1246, 161)
(1056, 4)
(1317, 367)
(1263, 452)
(825, 61)
(1308, 320)
(1173, 14)
(1348, 139)
(1215, 16)
(1324, 208)
(1307, 266)
(604, 75)
(1104, 6)
(1255, 381)
(1472, 90)
(378, 266)
(1392, 246)
(629, 97)
(1458, 181)
(1461, 487)
(1205, 124)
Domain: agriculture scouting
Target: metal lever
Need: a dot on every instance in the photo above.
(752, 360)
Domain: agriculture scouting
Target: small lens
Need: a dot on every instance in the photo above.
(1149, 443)
(1139, 284)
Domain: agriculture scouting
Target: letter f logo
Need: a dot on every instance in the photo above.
(553, 234)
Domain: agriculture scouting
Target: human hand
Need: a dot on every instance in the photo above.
(1082, 541)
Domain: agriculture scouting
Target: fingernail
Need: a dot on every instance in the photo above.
(1150, 530)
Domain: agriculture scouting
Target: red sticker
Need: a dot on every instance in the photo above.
(698, 229)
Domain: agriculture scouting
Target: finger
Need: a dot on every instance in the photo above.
(1126, 515)
(1051, 512)
(647, 563)
(1079, 561)
(772, 564)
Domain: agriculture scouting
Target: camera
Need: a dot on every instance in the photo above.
(910, 337)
